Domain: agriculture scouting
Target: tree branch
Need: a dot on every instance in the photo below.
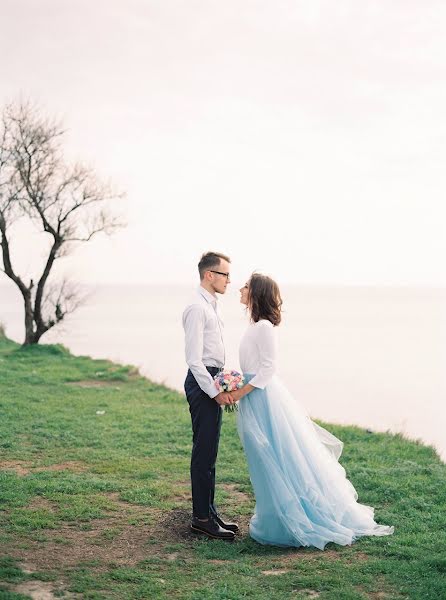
(7, 265)
(67, 202)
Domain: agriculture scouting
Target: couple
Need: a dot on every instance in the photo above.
(303, 497)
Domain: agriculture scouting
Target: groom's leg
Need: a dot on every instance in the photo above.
(212, 508)
(206, 418)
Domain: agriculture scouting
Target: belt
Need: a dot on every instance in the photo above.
(214, 370)
(211, 370)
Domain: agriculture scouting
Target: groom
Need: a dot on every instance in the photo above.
(205, 356)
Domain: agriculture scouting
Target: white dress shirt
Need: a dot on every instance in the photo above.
(203, 330)
(258, 352)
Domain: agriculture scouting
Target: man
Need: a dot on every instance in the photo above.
(205, 356)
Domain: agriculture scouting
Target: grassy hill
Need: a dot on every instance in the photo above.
(95, 498)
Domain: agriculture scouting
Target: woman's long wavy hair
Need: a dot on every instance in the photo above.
(264, 300)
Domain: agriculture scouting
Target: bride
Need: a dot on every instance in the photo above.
(303, 497)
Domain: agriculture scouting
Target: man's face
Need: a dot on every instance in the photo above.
(221, 279)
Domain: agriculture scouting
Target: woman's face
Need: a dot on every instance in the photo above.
(244, 294)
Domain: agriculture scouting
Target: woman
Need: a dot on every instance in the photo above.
(303, 497)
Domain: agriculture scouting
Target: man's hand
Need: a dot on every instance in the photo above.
(224, 398)
(236, 395)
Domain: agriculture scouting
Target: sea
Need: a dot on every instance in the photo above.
(368, 356)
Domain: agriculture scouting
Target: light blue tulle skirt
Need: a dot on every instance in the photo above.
(303, 497)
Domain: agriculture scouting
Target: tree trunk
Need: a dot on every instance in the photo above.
(29, 319)
(41, 326)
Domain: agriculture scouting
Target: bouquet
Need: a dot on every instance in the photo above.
(228, 381)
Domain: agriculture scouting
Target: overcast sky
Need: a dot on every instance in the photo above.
(306, 139)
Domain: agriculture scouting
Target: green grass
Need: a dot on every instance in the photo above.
(98, 504)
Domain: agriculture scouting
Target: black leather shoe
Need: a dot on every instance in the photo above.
(229, 526)
(212, 529)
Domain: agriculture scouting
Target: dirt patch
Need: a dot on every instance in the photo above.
(184, 492)
(95, 383)
(41, 503)
(127, 535)
(308, 593)
(23, 468)
(357, 556)
(70, 545)
(70, 465)
(377, 595)
(40, 590)
(236, 495)
(275, 572)
(171, 557)
(175, 525)
(37, 590)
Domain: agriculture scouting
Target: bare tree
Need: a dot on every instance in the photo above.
(66, 202)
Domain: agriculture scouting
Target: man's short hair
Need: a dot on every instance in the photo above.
(209, 261)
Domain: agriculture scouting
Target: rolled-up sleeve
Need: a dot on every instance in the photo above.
(267, 347)
(194, 319)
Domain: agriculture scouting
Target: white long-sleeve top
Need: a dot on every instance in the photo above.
(258, 352)
(203, 329)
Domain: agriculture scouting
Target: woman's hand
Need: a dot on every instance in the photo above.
(238, 394)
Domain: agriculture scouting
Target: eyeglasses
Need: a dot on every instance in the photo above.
(220, 273)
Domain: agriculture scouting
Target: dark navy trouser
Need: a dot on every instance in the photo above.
(206, 416)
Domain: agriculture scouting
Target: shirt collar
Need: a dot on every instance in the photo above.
(207, 296)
